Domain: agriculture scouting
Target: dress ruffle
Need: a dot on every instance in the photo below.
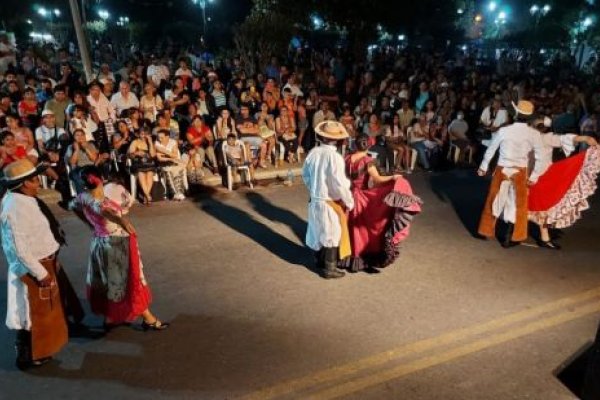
(569, 208)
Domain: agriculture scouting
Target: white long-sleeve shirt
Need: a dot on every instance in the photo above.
(26, 239)
(121, 103)
(325, 177)
(515, 142)
(103, 108)
(551, 141)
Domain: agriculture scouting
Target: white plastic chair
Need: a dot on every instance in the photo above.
(413, 152)
(245, 169)
(454, 153)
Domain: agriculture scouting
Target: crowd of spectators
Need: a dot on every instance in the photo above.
(164, 116)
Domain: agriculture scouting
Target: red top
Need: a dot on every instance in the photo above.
(199, 137)
(27, 109)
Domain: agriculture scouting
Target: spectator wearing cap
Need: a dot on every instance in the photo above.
(124, 99)
(50, 138)
(58, 105)
(100, 108)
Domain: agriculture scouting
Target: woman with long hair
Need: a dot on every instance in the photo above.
(143, 162)
(116, 286)
(383, 211)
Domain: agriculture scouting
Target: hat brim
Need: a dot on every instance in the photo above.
(13, 183)
(329, 135)
(520, 111)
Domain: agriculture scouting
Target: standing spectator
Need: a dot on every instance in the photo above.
(494, 117)
(124, 99)
(324, 114)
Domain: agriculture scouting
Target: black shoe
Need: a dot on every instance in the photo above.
(155, 326)
(549, 245)
(510, 244)
(371, 270)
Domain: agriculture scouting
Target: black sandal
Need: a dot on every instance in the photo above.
(550, 245)
(155, 326)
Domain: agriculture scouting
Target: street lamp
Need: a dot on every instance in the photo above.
(43, 12)
(587, 22)
(492, 6)
(56, 12)
(460, 11)
(103, 14)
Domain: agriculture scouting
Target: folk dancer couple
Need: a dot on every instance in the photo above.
(356, 217)
(553, 195)
(40, 298)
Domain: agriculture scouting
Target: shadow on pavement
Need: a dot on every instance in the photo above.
(465, 191)
(270, 211)
(201, 353)
(246, 224)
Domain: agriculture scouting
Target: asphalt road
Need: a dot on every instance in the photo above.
(455, 318)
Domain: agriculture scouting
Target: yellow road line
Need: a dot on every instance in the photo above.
(337, 372)
(460, 351)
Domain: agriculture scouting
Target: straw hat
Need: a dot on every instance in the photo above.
(331, 130)
(19, 171)
(524, 107)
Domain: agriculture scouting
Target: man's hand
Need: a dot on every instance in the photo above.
(481, 172)
(591, 141)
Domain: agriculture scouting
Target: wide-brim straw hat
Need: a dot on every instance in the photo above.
(19, 171)
(524, 107)
(331, 130)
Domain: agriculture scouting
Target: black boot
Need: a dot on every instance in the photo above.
(507, 242)
(330, 270)
(23, 349)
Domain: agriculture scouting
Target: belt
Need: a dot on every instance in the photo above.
(51, 257)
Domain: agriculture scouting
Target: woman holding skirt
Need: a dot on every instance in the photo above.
(561, 193)
(116, 286)
(384, 207)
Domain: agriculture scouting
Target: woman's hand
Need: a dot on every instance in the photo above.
(127, 225)
(591, 141)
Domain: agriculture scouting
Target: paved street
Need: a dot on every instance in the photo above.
(455, 318)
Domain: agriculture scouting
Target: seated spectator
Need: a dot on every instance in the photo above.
(81, 120)
(347, 119)
(11, 151)
(218, 94)
(121, 141)
(266, 127)
(493, 117)
(78, 100)
(286, 134)
(200, 139)
(324, 114)
(206, 106)
(171, 163)
(589, 127)
(22, 134)
(397, 141)
(184, 72)
(124, 99)
(28, 108)
(143, 162)
(225, 125)
(101, 110)
(150, 103)
(58, 105)
(420, 134)
(51, 140)
(80, 154)
(249, 134)
(566, 121)
(164, 121)
(457, 131)
(236, 156)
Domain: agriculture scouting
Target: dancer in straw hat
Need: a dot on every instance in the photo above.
(507, 196)
(34, 306)
(329, 188)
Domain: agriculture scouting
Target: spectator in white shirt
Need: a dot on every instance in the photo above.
(157, 72)
(494, 117)
(100, 108)
(124, 99)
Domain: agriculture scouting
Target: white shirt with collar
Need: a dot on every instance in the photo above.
(44, 133)
(515, 142)
(103, 107)
(324, 174)
(121, 103)
(499, 120)
(26, 239)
